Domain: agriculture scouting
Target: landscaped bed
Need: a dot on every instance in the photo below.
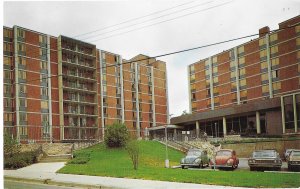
(100, 161)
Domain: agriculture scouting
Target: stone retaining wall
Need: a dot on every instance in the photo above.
(244, 150)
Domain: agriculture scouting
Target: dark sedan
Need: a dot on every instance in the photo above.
(265, 159)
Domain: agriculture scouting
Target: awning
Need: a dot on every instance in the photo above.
(164, 126)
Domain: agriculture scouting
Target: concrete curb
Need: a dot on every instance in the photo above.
(55, 183)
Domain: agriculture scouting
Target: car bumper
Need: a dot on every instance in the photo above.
(222, 166)
(265, 165)
(189, 164)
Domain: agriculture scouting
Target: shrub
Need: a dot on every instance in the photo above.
(116, 135)
(79, 160)
(132, 148)
(19, 160)
(11, 146)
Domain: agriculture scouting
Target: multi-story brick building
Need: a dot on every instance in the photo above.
(251, 88)
(63, 89)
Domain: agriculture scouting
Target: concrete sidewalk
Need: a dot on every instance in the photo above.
(45, 172)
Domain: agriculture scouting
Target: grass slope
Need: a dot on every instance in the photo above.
(116, 163)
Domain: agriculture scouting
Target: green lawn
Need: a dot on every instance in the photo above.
(116, 163)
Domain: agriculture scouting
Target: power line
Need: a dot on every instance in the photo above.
(171, 53)
(202, 10)
(127, 31)
(130, 20)
(120, 28)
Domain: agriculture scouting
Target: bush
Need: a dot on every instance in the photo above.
(79, 160)
(132, 148)
(11, 146)
(19, 160)
(116, 135)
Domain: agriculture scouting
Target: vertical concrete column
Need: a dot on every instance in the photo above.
(167, 95)
(189, 89)
(295, 113)
(269, 66)
(197, 129)
(49, 87)
(17, 82)
(153, 97)
(60, 88)
(258, 129)
(138, 134)
(282, 115)
(101, 93)
(175, 134)
(224, 126)
(212, 101)
(237, 75)
(122, 89)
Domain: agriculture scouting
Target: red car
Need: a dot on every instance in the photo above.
(225, 158)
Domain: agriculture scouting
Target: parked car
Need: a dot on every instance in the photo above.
(294, 160)
(195, 158)
(265, 159)
(287, 153)
(225, 158)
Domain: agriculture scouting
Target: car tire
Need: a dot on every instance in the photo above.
(182, 166)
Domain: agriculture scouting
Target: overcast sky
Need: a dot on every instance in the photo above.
(154, 28)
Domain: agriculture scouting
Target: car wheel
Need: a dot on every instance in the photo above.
(182, 166)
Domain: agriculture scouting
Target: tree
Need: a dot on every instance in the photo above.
(133, 150)
(11, 146)
(116, 135)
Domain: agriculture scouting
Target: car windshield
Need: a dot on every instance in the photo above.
(224, 153)
(295, 153)
(264, 154)
(194, 153)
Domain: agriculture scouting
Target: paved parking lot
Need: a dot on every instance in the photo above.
(243, 165)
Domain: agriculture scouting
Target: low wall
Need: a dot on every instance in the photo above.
(244, 150)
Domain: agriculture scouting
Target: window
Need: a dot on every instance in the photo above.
(273, 37)
(265, 89)
(216, 91)
(7, 33)
(232, 64)
(216, 100)
(43, 52)
(243, 83)
(215, 61)
(44, 65)
(44, 78)
(241, 50)
(7, 89)
(275, 74)
(104, 88)
(22, 89)
(274, 49)
(44, 91)
(242, 72)
(297, 28)
(8, 117)
(232, 74)
(264, 77)
(22, 74)
(6, 47)
(264, 65)
(216, 79)
(192, 69)
(23, 130)
(262, 41)
(20, 33)
(241, 61)
(207, 73)
(44, 104)
(21, 47)
(206, 64)
(243, 94)
(23, 116)
(22, 102)
(263, 53)
(275, 62)
(7, 60)
(215, 70)
(7, 74)
(43, 39)
(276, 86)
(192, 78)
(22, 60)
(7, 102)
